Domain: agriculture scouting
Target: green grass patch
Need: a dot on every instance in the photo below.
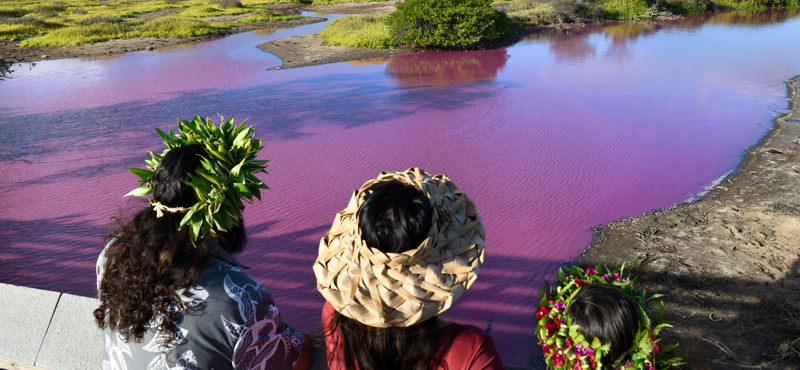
(331, 2)
(267, 16)
(29, 26)
(368, 31)
(202, 11)
(36, 17)
(758, 4)
(624, 9)
(78, 35)
(268, 2)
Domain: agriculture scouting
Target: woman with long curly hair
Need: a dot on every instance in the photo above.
(170, 302)
(404, 250)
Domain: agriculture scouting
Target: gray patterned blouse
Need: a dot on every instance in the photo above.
(230, 322)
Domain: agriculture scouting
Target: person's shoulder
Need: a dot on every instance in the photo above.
(464, 334)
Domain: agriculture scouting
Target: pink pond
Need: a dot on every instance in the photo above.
(550, 137)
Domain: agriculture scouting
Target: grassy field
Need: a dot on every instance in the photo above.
(101, 31)
(542, 12)
(331, 2)
(369, 31)
(268, 2)
(76, 22)
(266, 16)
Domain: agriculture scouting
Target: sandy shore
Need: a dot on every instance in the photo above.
(729, 263)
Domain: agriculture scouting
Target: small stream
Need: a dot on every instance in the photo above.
(550, 137)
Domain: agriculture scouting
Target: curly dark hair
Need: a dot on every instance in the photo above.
(150, 258)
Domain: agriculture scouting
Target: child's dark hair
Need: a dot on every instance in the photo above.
(604, 312)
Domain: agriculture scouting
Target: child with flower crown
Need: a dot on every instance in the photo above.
(592, 321)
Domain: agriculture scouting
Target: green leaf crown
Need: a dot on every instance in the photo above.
(223, 179)
(565, 348)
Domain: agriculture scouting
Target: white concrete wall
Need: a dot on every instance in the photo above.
(50, 330)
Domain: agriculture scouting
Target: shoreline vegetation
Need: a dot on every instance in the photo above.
(75, 24)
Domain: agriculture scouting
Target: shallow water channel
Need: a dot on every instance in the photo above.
(550, 137)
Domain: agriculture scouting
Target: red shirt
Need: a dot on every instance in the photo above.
(467, 348)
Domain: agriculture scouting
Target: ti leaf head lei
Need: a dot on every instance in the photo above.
(566, 348)
(222, 180)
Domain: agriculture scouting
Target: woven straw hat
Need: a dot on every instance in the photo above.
(402, 289)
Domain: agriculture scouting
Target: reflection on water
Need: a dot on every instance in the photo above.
(368, 61)
(549, 137)
(101, 57)
(265, 31)
(446, 67)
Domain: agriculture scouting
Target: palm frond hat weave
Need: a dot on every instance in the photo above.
(402, 289)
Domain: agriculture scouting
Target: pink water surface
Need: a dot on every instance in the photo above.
(550, 137)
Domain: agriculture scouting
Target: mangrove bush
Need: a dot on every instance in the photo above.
(447, 23)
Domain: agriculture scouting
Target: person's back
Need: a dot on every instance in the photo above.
(171, 295)
(404, 250)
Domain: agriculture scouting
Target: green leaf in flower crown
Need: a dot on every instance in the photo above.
(223, 180)
(139, 192)
(657, 330)
(646, 344)
(145, 175)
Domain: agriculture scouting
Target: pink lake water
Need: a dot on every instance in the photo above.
(550, 137)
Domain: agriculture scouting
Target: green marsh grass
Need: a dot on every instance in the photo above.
(210, 10)
(331, 2)
(268, 2)
(624, 9)
(368, 31)
(78, 35)
(267, 16)
(31, 18)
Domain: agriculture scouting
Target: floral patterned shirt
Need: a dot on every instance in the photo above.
(229, 322)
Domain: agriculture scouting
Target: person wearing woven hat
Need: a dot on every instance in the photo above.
(404, 250)
(171, 294)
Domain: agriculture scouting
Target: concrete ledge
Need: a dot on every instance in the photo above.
(27, 313)
(48, 330)
(73, 340)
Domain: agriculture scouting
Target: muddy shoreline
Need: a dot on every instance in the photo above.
(728, 263)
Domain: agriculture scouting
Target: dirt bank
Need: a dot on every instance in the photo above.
(729, 263)
(381, 7)
(308, 50)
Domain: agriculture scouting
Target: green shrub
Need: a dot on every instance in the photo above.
(538, 12)
(624, 9)
(686, 6)
(758, 4)
(447, 23)
(369, 31)
(267, 16)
